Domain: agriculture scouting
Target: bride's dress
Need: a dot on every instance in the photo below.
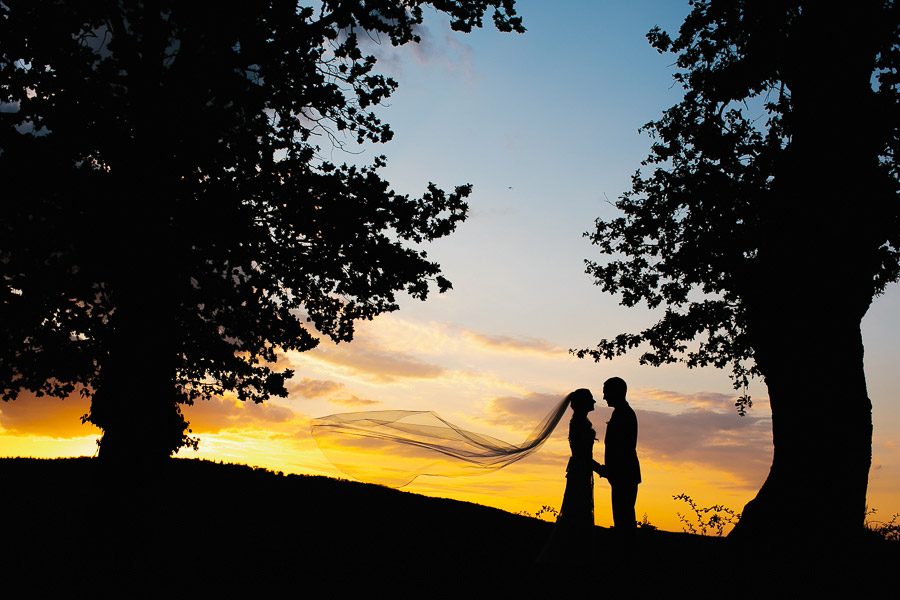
(578, 500)
(571, 537)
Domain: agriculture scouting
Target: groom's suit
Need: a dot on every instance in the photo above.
(622, 467)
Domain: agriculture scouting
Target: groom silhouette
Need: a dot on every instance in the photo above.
(622, 469)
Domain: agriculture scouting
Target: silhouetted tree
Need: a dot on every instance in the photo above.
(168, 220)
(767, 223)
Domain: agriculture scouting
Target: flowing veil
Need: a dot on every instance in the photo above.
(393, 447)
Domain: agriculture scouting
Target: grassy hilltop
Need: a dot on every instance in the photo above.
(200, 529)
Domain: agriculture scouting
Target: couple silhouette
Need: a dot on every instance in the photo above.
(465, 452)
(621, 468)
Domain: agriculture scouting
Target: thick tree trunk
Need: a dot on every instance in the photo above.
(814, 281)
(137, 405)
(822, 434)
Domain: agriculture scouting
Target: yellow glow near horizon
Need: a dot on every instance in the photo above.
(524, 486)
(46, 447)
(690, 443)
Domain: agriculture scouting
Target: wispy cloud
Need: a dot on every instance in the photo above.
(352, 400)
(312, 388)
(366, 357)
(503, 343)
(714, 400)
(388, 333)
(441, 49)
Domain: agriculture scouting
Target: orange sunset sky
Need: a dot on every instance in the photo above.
(544, 125)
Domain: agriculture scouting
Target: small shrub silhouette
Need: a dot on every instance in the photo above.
(886, 530)
(545, 513)
(645, 523)
(713, 518)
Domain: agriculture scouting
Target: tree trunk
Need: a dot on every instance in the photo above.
(814, 280)
(822, 433)
(137, 405)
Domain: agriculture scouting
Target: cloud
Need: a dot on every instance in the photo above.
(708, 432)
(450, 54)
(502, 343)
(521, 412)
(707, 399)
(433, 50)
(723, 441)
(312, 388)
(46, 416)
(353, 401)
(391, 348)
(367, 357)
(217, 414)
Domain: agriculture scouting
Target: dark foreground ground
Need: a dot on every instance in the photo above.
(204, 530)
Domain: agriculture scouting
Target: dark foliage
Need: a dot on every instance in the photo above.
(169, 222)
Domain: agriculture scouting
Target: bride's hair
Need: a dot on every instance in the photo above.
(580, 400)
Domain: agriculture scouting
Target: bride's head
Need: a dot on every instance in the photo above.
(582, 401)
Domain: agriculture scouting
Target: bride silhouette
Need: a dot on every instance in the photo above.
(574, 527)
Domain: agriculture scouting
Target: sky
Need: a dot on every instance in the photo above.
(545, 126)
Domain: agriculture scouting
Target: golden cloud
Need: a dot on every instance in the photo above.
(354, 401)
(391, 331)
(312, 388)
(46, 416)
(229, 413)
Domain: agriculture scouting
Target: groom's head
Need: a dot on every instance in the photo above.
(614, 390)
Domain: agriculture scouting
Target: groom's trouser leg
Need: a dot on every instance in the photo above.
(624, 496)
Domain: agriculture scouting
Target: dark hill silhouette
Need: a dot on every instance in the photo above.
(207, 529)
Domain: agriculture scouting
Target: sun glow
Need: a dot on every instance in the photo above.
(690, 443)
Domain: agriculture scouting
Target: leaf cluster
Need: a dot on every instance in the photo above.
(888, 531)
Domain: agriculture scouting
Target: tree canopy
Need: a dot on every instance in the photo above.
(170, 221)
(765, 220)
(708, 212)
